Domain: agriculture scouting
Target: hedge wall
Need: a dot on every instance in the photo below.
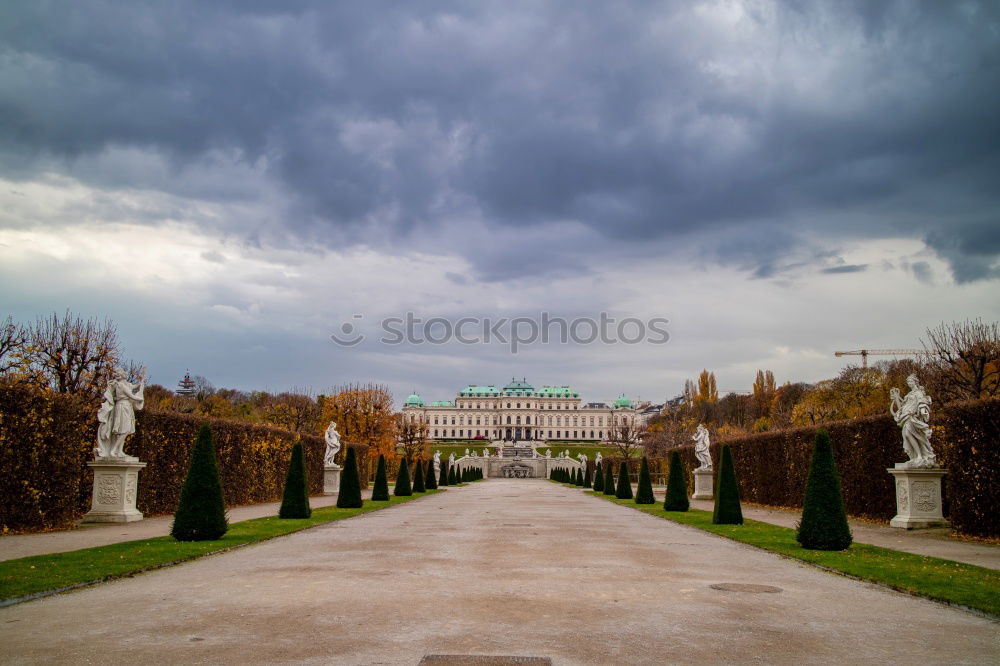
(772, 466)
(46, 440)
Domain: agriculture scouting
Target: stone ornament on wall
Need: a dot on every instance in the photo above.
(912, 414)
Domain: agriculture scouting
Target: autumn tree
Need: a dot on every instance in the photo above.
(295, 410)
(964, 360)
(763, 396)
(412, 436)
(13, 339)
(364, 415)
(71, 354)
(626, 434)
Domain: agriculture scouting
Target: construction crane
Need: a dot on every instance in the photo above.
(865, 353)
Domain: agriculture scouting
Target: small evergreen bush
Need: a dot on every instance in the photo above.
(588, 480)
(443, 480)
(431, 482)
(380, 491)
(201, 512)
(452, 477)
(598, 478)
(824, 520)
(624, 490)
(418, 477)
(677, 493)
(644, 493)
(727, 495)
(350, 483)
(295, 500)
(609, 480)
(403, 487)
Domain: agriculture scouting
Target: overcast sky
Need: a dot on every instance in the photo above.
(231, 182)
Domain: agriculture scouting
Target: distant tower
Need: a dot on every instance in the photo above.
(186, 385)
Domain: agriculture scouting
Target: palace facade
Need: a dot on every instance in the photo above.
(519, 412)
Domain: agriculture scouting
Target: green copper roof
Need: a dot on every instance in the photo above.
(621, 402)
(414, 401)
(557, 392)
(473, 391)
(442, 403)
(518, 387)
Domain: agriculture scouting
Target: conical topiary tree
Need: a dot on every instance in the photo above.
(644, 493)
(609, 480)
(295, 500)
(403, 487)
(431, 482)
(677, 492)
(578, 477)
(201, 512)
(624, 489)
(824, 520)
(588, 480)
(598, 478)
(452, 476)
(350, 483)
(380, 491)
(443, 481)
(418, 477)
(727, 495)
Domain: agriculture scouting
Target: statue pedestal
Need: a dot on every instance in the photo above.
(703, 484)
(116, 485)
(331, 479)
(918, 498)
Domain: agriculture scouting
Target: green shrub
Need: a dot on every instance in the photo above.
(350, 485)
(403, 487)
(609, 480)
(624, 490)
(201, 513)
(452, 476)
(677, 493)
(598, 478)
(824, 521)
(418, 477)
(588, 480)
(727, 495)
(431, 482)
(295, 502)
(644, 493)
(380, 491)
(443, 481)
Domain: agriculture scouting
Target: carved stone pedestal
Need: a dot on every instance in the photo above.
(331, 479)
(704, 484)
(918, 498)
(116, 485)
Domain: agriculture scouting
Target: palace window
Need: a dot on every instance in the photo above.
(527, 420)
(452, 432)
(453, 420)
(518, 420)
(508, 420)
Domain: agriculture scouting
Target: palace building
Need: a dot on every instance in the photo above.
(519, 412)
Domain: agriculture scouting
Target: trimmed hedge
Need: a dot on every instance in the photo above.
(965, 441)
(295, 502)
(201, 512)
(824, 521)
(46, 440)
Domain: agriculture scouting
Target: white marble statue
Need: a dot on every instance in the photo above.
(116, 414)
(486, 453)
(451, 459)
(437, 463)
(566, 453)
(583, 458)
(332, 438)
(912, 413)
(466, 452)
(701, 445)
(598, 458)
(475, 454)
(548, 453)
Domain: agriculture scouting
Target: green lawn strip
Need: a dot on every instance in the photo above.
(38, 574)
(957, 583)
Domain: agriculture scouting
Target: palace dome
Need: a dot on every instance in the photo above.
(518, 387)
(414, 401)
(622, 403)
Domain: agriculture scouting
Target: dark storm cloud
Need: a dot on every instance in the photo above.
(638, 123)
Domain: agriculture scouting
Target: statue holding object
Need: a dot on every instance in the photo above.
(912, 413)
(701, 447)
(116, 414)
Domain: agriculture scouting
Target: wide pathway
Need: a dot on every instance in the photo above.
(501, 567)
